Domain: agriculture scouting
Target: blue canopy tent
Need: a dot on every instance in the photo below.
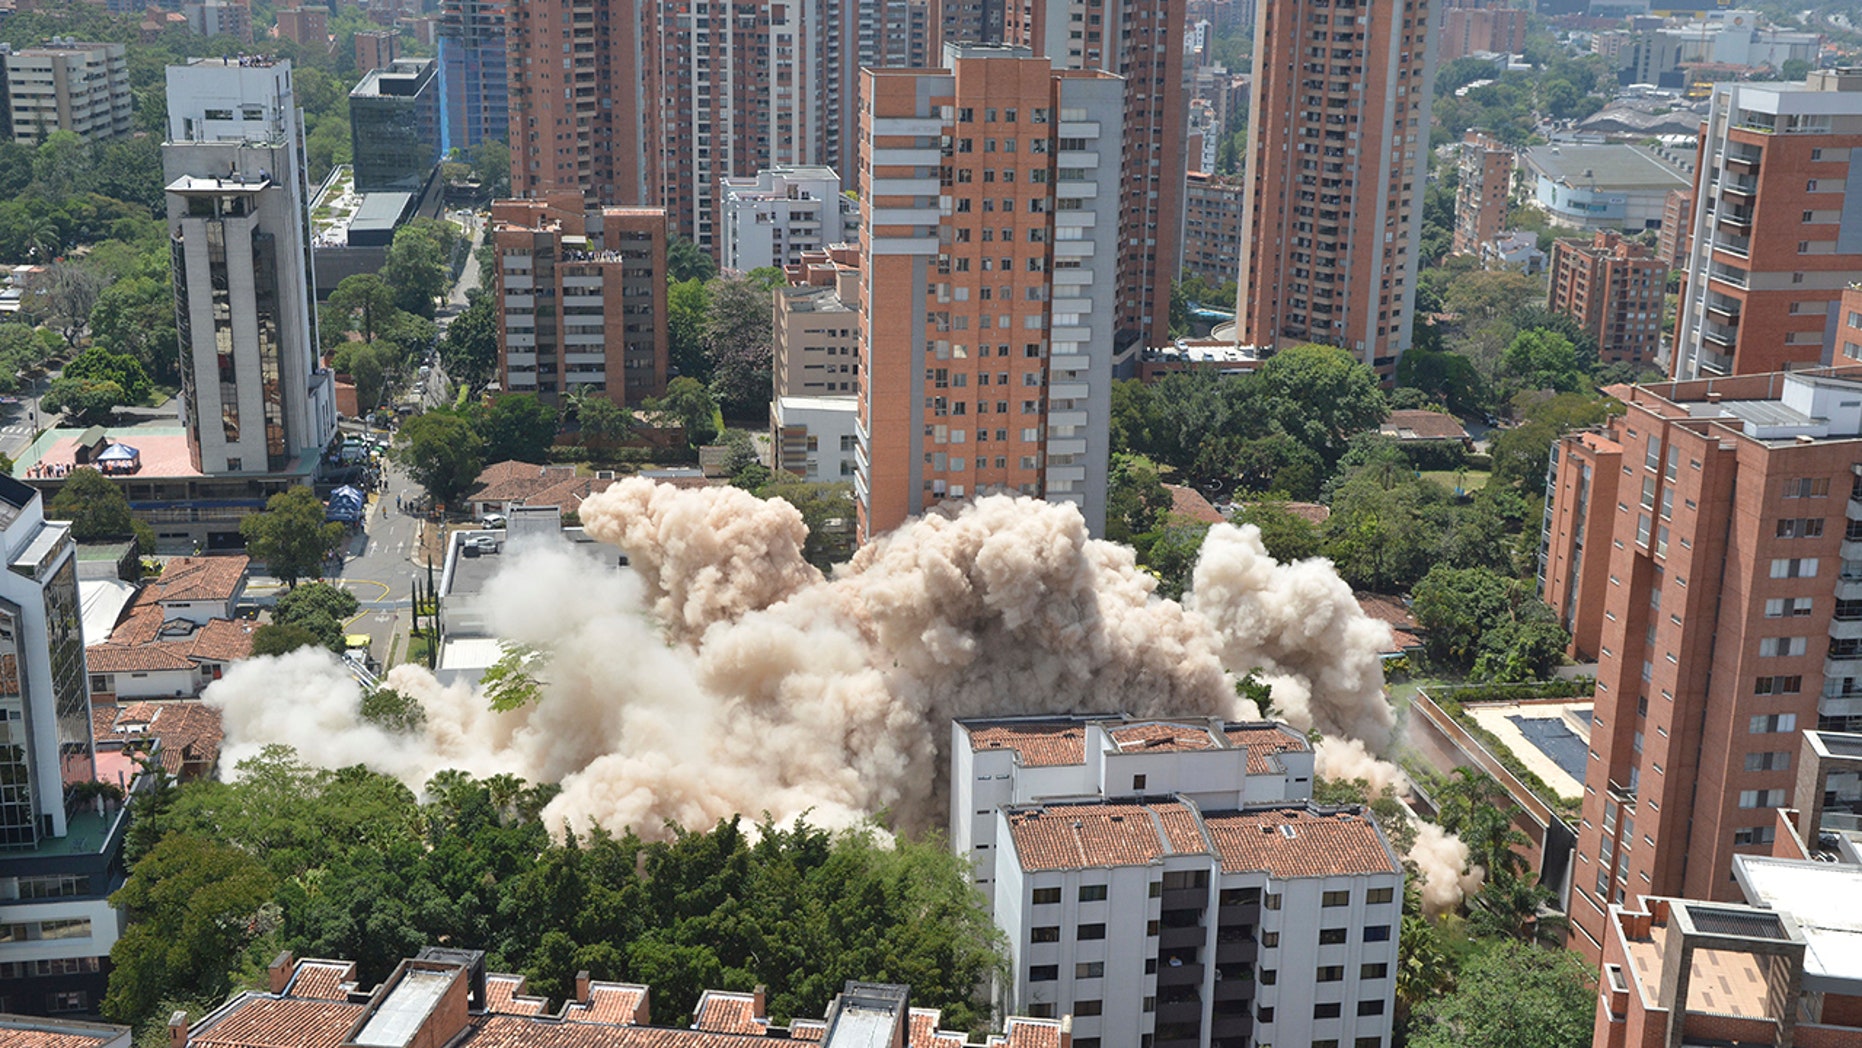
(119, 458)
(345, 505)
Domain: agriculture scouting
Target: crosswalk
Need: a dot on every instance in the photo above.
(16, 430)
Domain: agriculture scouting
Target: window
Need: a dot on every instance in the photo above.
(1364, 1042)
(1761, 798)
(1371, 1007)
(1783, 684)
(1268, 976)
(1330, 973)
(1092, 893)
(1044, 896)
(1787, 607)
(1772, 723)
(1270, 940)
(1271, 901)
(1137, 782)
(1331, 936)
(1755, 835)
(1771, 760)
(1043, 972)
(1041, 1011)
(1264, 1014)
(1089, 970)
(1091, 931)
(1377, 933)
(1088, 1007)
(1328, 1010)
(1771, 647)
(1794, 568)
(1800, 527)
(1379, 970)
(1376, 895)
(1807, 488)
(1045, 933)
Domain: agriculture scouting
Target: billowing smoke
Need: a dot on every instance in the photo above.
(724, 675)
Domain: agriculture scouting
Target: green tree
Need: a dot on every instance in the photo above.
(491, 165)
(319, 608)
(97, 510)
(442, 452)
(136, 317)
(517, 426)
(290, 537)
(684, 261)
(392, 711)
(688, 402)
(193, 906)
(97, 364)
(87, 401)
(274, 639)
(1541, 359)
(828, 510)
(1287, 535)
(687, 302)
(1456, 607)
(1136, 499)
(62, 296)
(362, 303)
(418, 269)
(1170, 555)
(603, 421)
(1550, 1002)
(1321, 395)
(469, 352)
(1520, 453)
(739, 337)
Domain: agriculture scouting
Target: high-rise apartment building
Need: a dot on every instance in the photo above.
(1212, 210)
(474, 73)
(68, 86)
(1473, 26)
(1706, 548)
(377, 49)
(394, 123)
(1336, 172)
(1774, 241)
(254, 399)
(989, 273)
(1483, 192)
(215, 18)
(1143, 43)
(1616, 289)
(581, 298)
(775, 217)
(817, 322)
(308, 26)
(1671, 241)
(966, 22)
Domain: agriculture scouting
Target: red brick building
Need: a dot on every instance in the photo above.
(1706, 549)
(1482, 195)
(1336, 174)
(1212, 210)
(307, 26)
(1471, 26)
(1615, 289)
(1672, 243)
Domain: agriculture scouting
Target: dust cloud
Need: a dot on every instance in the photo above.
(723, 674)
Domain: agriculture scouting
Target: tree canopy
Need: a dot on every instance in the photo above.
(290, 537)
(97, 510)
(1512, 995)
(443, 453)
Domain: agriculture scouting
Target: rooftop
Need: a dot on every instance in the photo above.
(187, 579)
(164, 452)
(1189, 503)
(1422, 425)
(1613, 166)
(1824, 900)
(1282, 841)
(25, 1031)
(1060, 741)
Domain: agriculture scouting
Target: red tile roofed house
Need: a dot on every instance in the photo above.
(146, 657)
(1417, 425)
(445, 999)
(185, 736)
(1097, 898)
(24, 1031)
(1405, 634)
(199, 588)
(506, 484)
(1189, 504)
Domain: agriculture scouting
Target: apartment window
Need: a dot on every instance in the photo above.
(1041, 1010)
(1772, 647)
(1367, 1042)
(1137, 782)
(1092, 893)
(1761, 798)
(1338, 898)
(1044, 933)
(1371, 1007)
(1331, 936)
(1807, 488)
(1376, 895)
(1377, 933)
(1772, 723)
(1044, 896)
(1270, 940)
(1770, 760)
(1328, 1010)
(1787, 607)
(1379, 970)
(1268, 976)
(1091, 932)
(1755, 835)
(1329, 973)
(1088, 1007)
(1800, 527)
(1794, 568)
(1780, 684)
(1271, 901)
(1264, 1014)
(1089, 970)
(1043, 972)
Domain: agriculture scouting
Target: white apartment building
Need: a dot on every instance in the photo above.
(69, 86)
(1157, 922)
(254, 398)
(1001, 762)
(769, 220)
(814, 437)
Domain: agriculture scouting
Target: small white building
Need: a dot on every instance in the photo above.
(814, 437)
(1517, 251)
(769, 220)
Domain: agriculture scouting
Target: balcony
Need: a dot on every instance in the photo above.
(1719, 335)
(1179, 975)
(1726, 311)
(1850, 629)
(1167, 938)
(1738, 222)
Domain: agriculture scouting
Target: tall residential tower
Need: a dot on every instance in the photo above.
(1336, 171)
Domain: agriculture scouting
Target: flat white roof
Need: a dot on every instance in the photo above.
(1825, 899)
(848, 403)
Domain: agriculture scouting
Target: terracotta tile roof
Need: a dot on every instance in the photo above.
(323, 980)
(1263, 742)
(1317, 845)
(1404, 630)
(200, 578)
(1078, 836)
(517, 481)
(1032, 1033)
(722, 1011)
(269, 1022)
(137, 658)
(223, 640)
(810, 1030)
(922, 1027)
(947, 1039)
(1310, 512)
(189, 730)
(608, 1002)
(505, 994)
(1188, 502)
(569, 494)
(1422, 425)
(1181, 828)
(141, 623)
(15, 1038)
(1040, 745)
(511, 1031)
(1162, 735)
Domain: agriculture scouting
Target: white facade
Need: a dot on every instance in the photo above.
(769, 220)
(254, 398)
(1159, 923)
(814, 437)
(69, 86)
(1001, 762)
